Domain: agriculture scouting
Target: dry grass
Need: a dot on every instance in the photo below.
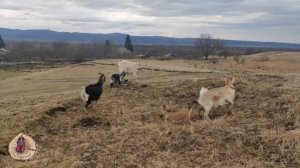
(123, 128)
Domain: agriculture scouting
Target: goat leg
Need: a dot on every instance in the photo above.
(192, 128)
(206, 115)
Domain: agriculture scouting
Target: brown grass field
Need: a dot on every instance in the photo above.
(123, 129)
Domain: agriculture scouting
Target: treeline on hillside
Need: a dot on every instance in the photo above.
(61, 51)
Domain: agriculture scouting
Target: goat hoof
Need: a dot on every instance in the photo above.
(207, 119)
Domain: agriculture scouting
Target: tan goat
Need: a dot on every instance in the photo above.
(217, 96)
(177, 116)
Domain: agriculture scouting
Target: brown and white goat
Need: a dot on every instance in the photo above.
(177, 116)
(217, 96)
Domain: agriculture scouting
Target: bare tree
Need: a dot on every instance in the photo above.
(107, 48)
(96, 49)
(60, 49)
(207, 45)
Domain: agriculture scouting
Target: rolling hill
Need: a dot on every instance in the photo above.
(118, 38)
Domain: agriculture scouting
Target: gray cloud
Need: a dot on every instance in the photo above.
(263, 20)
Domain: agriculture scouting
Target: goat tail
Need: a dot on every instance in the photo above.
(82, 93)
(191, 110)
(84, 96)
(203, 90)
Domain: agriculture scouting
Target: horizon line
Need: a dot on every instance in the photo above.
(148, 35)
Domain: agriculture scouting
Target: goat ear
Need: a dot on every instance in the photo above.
(233, 80)
(226, 80)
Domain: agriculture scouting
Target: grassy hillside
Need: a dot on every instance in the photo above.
(124, 128)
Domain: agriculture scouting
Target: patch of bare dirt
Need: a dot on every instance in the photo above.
(51, 112)
(4, 150)
(92, 122)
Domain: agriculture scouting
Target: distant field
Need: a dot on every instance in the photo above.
(123, 129)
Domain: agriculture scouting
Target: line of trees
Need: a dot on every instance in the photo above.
(207, 45)
(61, 51)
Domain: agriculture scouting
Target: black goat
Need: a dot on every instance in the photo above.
(117, 78)
(93, 92)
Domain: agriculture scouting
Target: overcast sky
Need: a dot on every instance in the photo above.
(260, 20)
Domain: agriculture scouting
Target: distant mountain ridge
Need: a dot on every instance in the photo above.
(118, 38)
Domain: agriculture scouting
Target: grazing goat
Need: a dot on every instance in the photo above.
(117, 78)
(129, 67)
(217, 96)
(177, 116)
(92, 92)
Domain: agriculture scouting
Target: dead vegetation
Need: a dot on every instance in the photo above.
(123, 128)
(239, 59)
(128, 137)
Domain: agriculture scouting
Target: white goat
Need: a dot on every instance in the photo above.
(217, 96)
(129, 67)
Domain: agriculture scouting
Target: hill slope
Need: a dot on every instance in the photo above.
(124, 128)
